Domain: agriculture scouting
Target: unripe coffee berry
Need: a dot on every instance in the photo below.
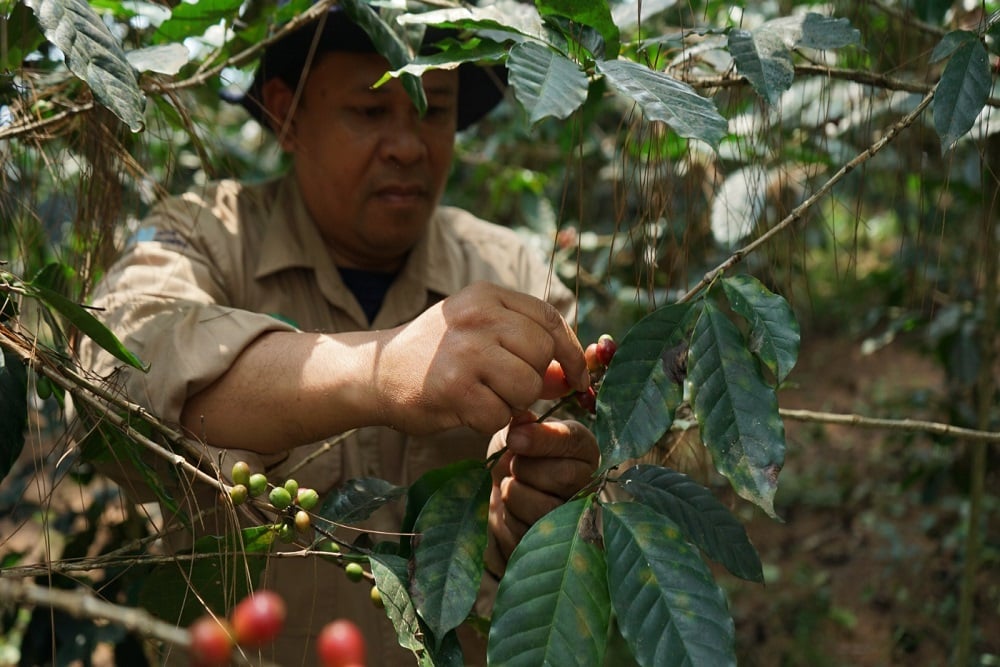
(307, 498)
(238, 494)
(376, 597)
(286, 533)
(329, 546)
(258, 484)
(354, 572)
(280, 498)
(292, 487)
(302, 521)
(241, 473)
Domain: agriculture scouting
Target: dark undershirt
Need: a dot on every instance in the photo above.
(368, 287)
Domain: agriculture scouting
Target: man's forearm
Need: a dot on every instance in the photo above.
(287, 389)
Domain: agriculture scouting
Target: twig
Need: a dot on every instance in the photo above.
(893, 424)
(799, 211)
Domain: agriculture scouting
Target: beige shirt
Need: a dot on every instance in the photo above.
(209, 272)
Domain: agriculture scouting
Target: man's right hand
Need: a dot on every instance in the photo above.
(474, 360)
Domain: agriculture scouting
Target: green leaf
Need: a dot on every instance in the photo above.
(23, 37)
(962, 91)
(764, 56)
(705, 521)
(357, 499)
(448, 552)
(638, 395)
(668, 607)
(219, 581)
(449, 59)
(94, 55)
(665, 99)
(422, 490)
(553, 606)
(517, 19)
(88, 325)
(13, 409)
(192, 19)
(736, 409)
(774, 331)
(546, 83)
(391, 577)
(765, 61)
(389, 45)
(593, 13)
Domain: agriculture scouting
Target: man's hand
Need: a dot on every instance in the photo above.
(543, 466)
(474, 359)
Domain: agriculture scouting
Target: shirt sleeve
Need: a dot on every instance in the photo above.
(167, 300)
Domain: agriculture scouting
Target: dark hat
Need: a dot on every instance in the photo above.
(480, 88)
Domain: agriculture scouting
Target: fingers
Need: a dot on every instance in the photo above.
(553, 439)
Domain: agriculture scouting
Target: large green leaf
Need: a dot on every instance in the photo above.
(390, 45)
(553, 606)
(593, 13)
(391, 576)
(220, 579)
(774, 331)
(736, 409)
(669, 609)
(88, 325)
(964, 87)
(356, 499)
(517, 19)
(421, 491)
(13, 409)
(23, 37)
(192, 19)
(483, 51)
(94, 55)
(638, 395)
(764, 55)
(448, 552)
(705, 521)
(546, 83)
(665, 99)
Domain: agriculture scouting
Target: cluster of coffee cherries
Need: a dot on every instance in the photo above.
(598, 355)
(256, 621)
(290, 501)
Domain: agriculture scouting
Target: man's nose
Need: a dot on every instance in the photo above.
(402, 141)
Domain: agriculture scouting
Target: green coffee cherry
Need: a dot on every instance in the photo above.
(354, 572)
(43, 387)
(258, 484)
(329, 546)
(376, 597)
(241, 473)
(238, 494)
(292, 487)
(280, 498)
(307, 499)
(286, 533)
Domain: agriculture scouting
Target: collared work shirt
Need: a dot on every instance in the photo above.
(211, 271)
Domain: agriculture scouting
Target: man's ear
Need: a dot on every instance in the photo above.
(278, 101)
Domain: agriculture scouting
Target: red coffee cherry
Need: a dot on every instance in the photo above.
(590, 356)
(211, 642)
(258, 618)
(606, 348)
(341, 644)
(587, 400)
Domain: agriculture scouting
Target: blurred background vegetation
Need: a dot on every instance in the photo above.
(893, 277)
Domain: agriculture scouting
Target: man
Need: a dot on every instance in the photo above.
(340, 298)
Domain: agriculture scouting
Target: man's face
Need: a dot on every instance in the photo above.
(370, 169)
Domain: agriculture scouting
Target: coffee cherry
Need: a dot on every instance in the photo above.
(587, 400)
(606, 348)
(376, 596)
(238, 494)
(43, 387)
(590, 356)
(292, 487)
(211, 642)
(257, 484)
(286, 533)
(341, 644)
(280, 498)
(302, 521)
(258, 618)
(354, 572)
(307, 498)
(241, 473)
(329, 546)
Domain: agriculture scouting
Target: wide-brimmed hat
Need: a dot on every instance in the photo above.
(480, 88)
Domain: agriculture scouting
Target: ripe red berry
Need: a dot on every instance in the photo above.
(587, 400)
(211, 642)
(258, 618)
(341, 644)
(590, 356)
(606, 348)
